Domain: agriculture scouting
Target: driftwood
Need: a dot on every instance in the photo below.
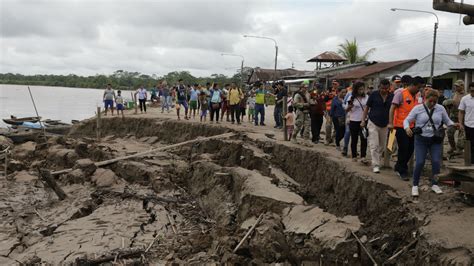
(401, 251)
(119, 253)
(363, 247)
(140, 154)
(259, 219)
(46, 176)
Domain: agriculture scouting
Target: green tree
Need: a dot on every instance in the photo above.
(350, 50)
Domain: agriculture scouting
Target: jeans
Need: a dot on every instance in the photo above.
(259, 109)
(316, 124)
(166, 103)
(340, 130)
(347, 136)
(355, 129)
(235, 113)
(377, 142)
(405, 150)
(277, 115)
(422, 146)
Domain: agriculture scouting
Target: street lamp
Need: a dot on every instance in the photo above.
(241, 66)
(434, 35)
(276, 50)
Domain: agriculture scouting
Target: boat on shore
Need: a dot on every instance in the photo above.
(16, 121)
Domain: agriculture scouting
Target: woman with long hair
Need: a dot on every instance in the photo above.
(355, 109)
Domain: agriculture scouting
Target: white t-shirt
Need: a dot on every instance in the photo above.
(357, 110)
(467, 105)
(141, 93)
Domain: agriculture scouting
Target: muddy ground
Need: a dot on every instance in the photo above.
(193, 204)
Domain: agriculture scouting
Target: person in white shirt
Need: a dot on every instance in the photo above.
(466, 117)
(355, 109)
(142, 96)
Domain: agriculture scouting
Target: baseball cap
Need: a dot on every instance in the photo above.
(459, 83)
(396, 79)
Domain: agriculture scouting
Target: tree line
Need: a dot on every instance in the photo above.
(120, 79)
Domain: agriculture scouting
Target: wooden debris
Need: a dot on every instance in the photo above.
(363, 247)
(119, 254)
(401, 251)
(249, 232)
(141, 154)
(173, 226)
(152, 242)
(46, 176)
(39, 215)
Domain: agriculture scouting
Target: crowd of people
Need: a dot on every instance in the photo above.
(414, 111)
(404, 106)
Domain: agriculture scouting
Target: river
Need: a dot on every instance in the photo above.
(60, 103)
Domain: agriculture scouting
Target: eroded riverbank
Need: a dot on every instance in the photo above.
(194, 203)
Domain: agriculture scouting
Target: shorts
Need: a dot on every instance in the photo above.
(109, 103)
(120, 107)
(203, 112)
(183, 103)
(251, 111)
(193, 105)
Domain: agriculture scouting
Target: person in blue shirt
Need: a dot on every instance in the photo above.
(181, 96)
(193, 100)
(215, 102)
(427, 137)
(338, 115)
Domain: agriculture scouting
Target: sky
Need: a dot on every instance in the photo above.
(88, 37)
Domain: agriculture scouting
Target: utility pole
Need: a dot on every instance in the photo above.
(433, 53)
(276, 51)
(241, 67)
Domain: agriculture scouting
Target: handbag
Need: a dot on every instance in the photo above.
(438, 133)
(364, 131)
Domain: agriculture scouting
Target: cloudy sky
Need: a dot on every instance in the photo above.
(87, 37)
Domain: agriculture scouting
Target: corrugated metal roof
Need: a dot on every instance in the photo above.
(329, 70)
(373, 69)
(268, 74)
(444, 63)
(327, 56)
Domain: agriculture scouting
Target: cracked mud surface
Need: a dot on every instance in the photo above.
(193, 204)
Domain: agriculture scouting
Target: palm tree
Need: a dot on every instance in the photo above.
(350, 50)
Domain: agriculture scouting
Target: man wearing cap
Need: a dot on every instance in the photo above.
(452, 106)
(301, 104)
(403, 102)
(466, 117)
(396, 83)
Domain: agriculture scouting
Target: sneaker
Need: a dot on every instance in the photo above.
(414, 191)
(402, 176)
(376, 169)
(354, 159)
(338, 148)
(436, 189)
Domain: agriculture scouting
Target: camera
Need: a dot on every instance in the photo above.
(417, 130)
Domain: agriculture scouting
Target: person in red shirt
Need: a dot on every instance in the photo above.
(317, 108)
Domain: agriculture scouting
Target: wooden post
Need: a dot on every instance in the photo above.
(46, 176)
(467, 152)
(6, 161)
(135, 103)
(98, 124)
(285, 111)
